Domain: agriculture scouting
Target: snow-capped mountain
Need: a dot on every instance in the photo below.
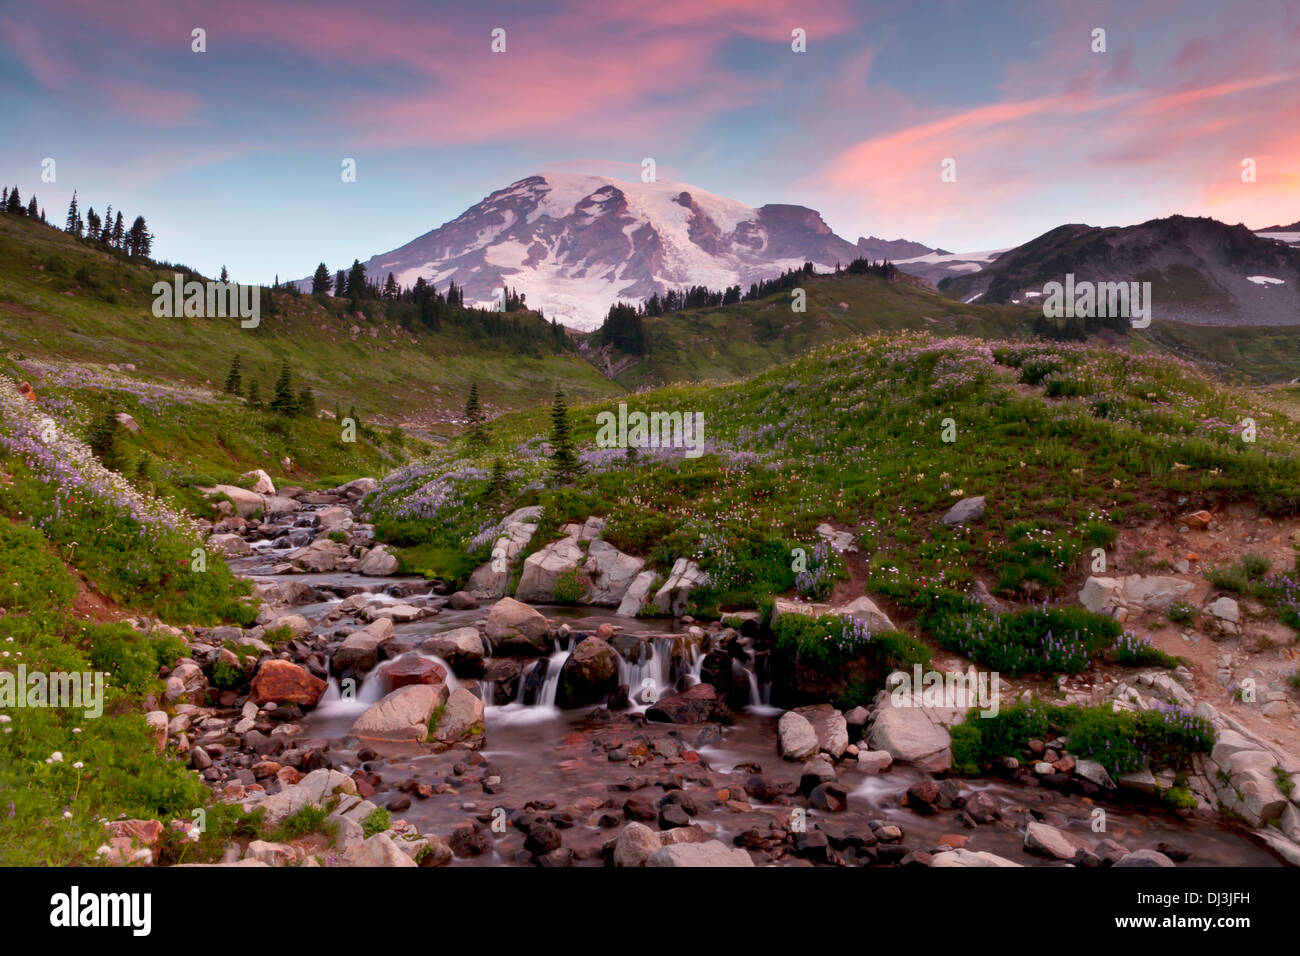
(573, 244)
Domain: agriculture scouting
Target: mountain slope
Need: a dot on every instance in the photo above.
(573, 244)
(1200, 270)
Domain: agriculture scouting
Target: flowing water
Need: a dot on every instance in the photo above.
(561, 759)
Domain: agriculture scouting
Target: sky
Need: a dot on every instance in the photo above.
(234, 155)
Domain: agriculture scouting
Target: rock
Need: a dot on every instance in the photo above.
(796, 736)
(1225, 609)
(312, 790)
(359, 650)
(298, 626)
(694, 705)
(1197, 519)
(231, 545)
(262, 483)
(378, 850)
(334, 518)
(542, 569)
(285, 683)
(401, 717)
(462, 718)
(874, 761)
(514, 629)
(1145, 858)
(1048, 841)
(1094, 773)
(964, 511)
(462, 648)
(637, 594)
(589, 674)
(635, 845)
(961, 857)
(1155, 593)
(916, 735)
(708, 853)
(611, 573)
(829, 796)
(1254, 795)
(831, 728)
(378, 563)
(126, 421)
(462, 601)
(247, 504)
(675, 594)
(1142, 780)
(413, 669)
(1228, 743)
(1101, 595)
(272, 854)
(319, 557)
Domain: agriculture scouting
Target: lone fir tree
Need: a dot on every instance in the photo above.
(283, 400)
(474, 415)
(498, 484)
(564, 461)
(235, 377)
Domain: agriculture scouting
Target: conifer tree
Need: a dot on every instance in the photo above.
(31, 207)
(234, 378)
(474, 415)
(119, 233)
(225, 276)
(498, 484)
(320, 282)
(254, 394)
(73, 216)
(283, 401)
(564, 461)
(102, 438)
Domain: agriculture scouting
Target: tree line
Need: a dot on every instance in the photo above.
(108, 229)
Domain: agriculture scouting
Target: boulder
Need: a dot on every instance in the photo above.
(334, 518)
(796, 736)
(874, 761)
(490, 579)
(636, 595)
(313, 790)
(916, 735)
(319, 557)
(231, 545)
(462, 718)
(589, 674)
(1145, 858)
(543, 568)
(360, 649)
(262, 483)
(247, 503)
(635, 845)
(967, 858)
(378, 850)
(413, 669)
(685, 577)
(285, 683)
(831, 728)
(462, 601)
(708, 853)
(611, 573)
(378, 563)
(1102, 595)
(462, 649)
(695, 705)
(514, 629)
(1225, 609)
(401, 717)
(1048, 841)
(1155, 592)
(964, 512)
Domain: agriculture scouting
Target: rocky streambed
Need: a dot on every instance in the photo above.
(499, 733)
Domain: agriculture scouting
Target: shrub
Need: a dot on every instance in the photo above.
(376, 821)
(1134, 651)
(570, 587)
(1039, 640)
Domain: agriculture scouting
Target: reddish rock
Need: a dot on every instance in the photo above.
(605, 632)
(414, 670)
(285, 683)
(1197, 519)
(288, 776)
(694, 705)
(954, 840)
(140, 832)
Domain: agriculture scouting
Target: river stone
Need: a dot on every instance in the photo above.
(378, 850)
(414, 669)
(231, 545)
(377, 563)
(916, 735)
(589, 675)
(708, 853)
(796, 736)
(401, 717)
(1146, 858)
(462, 717)
(831, 728)
(334, 518)
(359, 650)
(542, 569)
(1048, 841)
(966, 510)
(968, 858)
(874, 761)
(685, 577)
(697, 704)
(514, 629)
(461, 648)
(637, 594)
(313, 790)
(247, 503)
(297, 625)
(462, 601)
(319, 557)
(285, 683)
(635, 845)
(611, 572)
(262, 483)
(1094, 773)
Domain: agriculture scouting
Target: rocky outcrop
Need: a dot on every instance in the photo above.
(1103, 595)
(489, 580)
(543, 568)
(611, 573)
(461, 721)
(915, 735)
(685, 577)
(637, 594)
(401, 717)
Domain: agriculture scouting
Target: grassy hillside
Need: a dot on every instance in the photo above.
(735, 341)
(61, 298)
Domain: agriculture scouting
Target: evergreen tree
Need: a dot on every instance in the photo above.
(102, 437)
(13, 204)
(391, 291)
(92, 223)
(498, 484)
(474, 415)
(340, 284)
(119, 234)
(31, 207)
(564, 461)
(138, 240)
(320, 282)
(234, 378)
(357, 281)
(73, 216)
(283, 401)
(225, 276)
(254, 394)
